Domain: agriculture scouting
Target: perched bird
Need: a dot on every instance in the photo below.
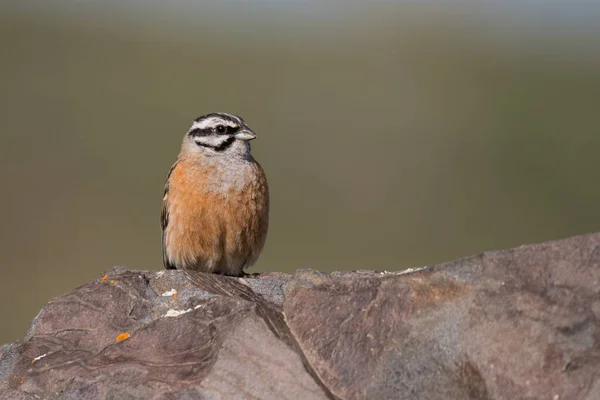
(215, 212)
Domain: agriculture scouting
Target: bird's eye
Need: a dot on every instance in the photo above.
(221, 129)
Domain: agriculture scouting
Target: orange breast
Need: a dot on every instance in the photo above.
(215, 231)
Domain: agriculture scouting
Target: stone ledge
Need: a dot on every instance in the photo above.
(520, 323)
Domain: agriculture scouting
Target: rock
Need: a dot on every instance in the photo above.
(514, 324)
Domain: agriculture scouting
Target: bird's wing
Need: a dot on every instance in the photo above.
(164, 219)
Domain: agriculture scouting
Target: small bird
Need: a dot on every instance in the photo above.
(215, 212)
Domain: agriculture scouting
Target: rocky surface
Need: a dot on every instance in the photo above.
(514, 324)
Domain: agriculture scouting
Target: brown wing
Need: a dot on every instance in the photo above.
(164, 219)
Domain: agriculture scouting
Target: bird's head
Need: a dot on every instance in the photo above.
(218, 135)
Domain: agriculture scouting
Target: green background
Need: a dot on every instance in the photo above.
(393, 136)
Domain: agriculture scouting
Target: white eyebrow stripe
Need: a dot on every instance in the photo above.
(214, 121)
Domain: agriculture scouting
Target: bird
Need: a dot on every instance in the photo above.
(215, 208)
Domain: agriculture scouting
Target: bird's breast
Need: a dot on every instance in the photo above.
(215, 214)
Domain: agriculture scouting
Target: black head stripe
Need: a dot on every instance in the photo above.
(229, 130)
(232, 130)
(220, 148)
(225, 145)
(200, 132)
(223, 116)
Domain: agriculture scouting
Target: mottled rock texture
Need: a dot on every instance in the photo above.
(513, 324)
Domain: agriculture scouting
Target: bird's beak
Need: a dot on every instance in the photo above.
(245, 135)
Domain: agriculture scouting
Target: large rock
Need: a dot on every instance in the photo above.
(514, 324)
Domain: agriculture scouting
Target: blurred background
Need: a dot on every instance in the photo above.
(397, 135)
